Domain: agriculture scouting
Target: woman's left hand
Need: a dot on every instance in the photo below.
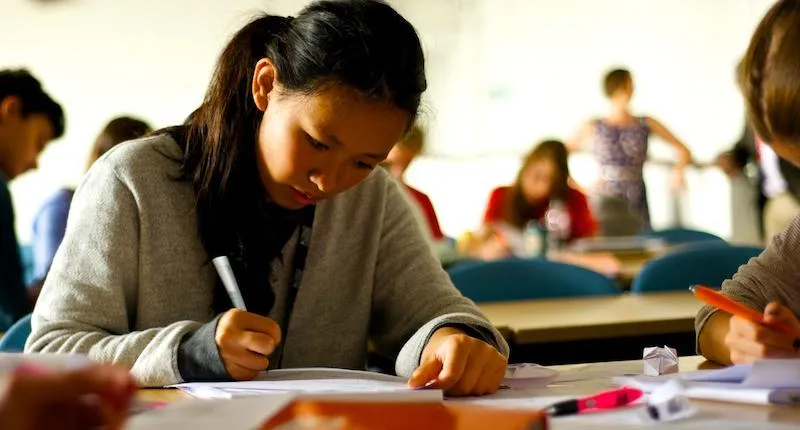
(460, 365)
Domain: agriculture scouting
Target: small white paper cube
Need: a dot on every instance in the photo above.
(660, 361)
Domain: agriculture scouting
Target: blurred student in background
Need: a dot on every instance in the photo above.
(778, 181)
(542, 180)
(767, 283)
(29, 119)
(400, 157)
(619, 142)
(50, 221)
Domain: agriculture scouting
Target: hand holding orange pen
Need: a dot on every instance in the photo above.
(718, 300)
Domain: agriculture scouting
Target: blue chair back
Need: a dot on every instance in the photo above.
(706, 264)
(520, 279)
(14, 339)
(26, 258)
(677, 236)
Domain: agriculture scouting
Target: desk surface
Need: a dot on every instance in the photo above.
(598, 378)
(536, 321)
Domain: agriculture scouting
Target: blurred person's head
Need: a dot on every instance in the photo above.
(301, 109)
(543, 176)
(405, 151)
(118, 130)
(29, 119)
(618, 86)
(769, 76)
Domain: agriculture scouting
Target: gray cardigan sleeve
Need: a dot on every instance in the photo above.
(413, 295)
(88, 302)
(772, 276)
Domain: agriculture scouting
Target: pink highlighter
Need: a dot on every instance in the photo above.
(610, 399)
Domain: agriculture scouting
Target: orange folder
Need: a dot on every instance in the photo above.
(345, 415)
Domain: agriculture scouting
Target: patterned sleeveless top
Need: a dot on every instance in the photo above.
(621, 153)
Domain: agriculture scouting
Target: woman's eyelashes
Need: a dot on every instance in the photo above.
(365, 166)
(316, 144)
(319, 146)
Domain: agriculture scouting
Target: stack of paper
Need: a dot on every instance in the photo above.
(766, 381)
(316, 383)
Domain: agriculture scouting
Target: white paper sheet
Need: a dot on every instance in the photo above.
(316, 382)
(764, 382)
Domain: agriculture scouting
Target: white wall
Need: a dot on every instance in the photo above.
(502, 74)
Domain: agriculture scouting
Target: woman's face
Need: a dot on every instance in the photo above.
(311, 147)
(624, 94)
(538, 180)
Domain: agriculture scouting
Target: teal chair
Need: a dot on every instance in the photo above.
(679, 236)
(706, 264)
(14, 339)
(26, 258)
(521, 279)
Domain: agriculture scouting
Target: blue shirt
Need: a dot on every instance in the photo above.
(13, 295)
(49, 225)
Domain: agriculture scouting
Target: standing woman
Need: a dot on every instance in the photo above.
(276, 170)
(619, 142)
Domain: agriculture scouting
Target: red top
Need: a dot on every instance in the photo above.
(582, 223)
(427, 208)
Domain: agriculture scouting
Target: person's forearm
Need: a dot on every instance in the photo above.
(712, 338)
(684, 158)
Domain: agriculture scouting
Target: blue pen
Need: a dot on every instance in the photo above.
(223, 266)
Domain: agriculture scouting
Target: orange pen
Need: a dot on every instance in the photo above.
(718, 300)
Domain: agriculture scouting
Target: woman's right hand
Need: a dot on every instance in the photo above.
(749, 341)
(245, 341)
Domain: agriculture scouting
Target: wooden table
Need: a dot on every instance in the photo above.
(537, 321)
(597, 376)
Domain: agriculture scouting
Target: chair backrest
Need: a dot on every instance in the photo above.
(14, 339)
(705, 264)
(520, 279)
(26, 258)
(677, 236)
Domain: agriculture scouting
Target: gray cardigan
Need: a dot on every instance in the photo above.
(131, 279)
(773, 276)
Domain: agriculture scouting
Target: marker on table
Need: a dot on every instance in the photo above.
(718, 300)
(223, 266)
(610, 399)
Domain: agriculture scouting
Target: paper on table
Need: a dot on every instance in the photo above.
(528, 375)
(316, 382)
(234, 414)
(774, 381)
(771, 374)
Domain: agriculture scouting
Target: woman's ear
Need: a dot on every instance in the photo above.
(264, 79)
(10, 106)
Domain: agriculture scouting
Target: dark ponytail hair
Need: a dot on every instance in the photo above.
(518, 210)
(362, 44)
